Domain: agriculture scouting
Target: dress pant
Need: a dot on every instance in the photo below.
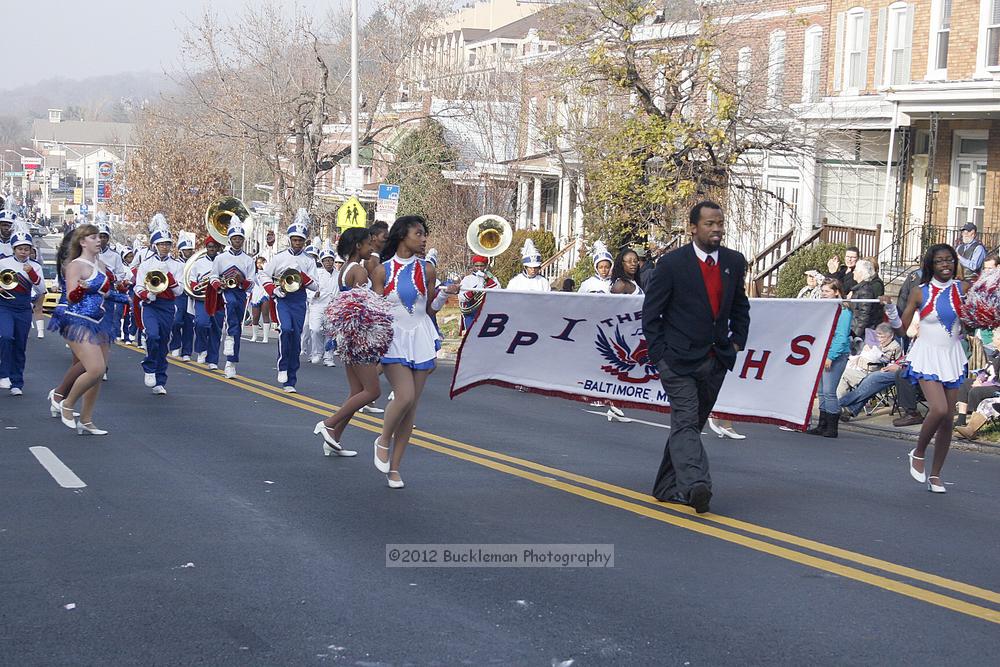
(291, 311)
(157, 322)
(208, 332)
(692, 397)
(15, 325)
(182, 336)
(906, 393)
(236, 310)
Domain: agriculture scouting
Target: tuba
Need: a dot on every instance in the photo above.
(489, 235)
(155, 282)
(198, 292)
(8, 281)
(220, 213)
(290, 281)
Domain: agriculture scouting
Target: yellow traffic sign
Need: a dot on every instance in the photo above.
(352, 214)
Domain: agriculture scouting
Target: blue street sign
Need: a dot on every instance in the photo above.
(83, 209)
(389, 192)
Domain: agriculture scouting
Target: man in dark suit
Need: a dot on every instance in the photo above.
(696, 318)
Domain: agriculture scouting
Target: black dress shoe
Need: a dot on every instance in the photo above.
(698, 498)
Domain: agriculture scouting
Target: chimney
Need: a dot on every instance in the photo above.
(55, 115)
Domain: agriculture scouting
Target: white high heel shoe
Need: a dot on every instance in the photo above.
(89, 429)
(393, 483)
(935, 488)
(53, 405)
(914, 473)
(330, 446)
(68, 423)
(380, 465)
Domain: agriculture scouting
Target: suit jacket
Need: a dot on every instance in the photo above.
(677, 316)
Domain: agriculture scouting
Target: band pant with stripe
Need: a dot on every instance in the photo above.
(208, 332)
(157, 322)
(182, 336)
(236, 310)
(15, 325)
(291, 311)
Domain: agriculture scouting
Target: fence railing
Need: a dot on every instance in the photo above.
(563, 260)
(765, 267)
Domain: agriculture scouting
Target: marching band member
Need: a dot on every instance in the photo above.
(25, 276)
(38, 298)
(233, 272)
(290, 307)
(404, 281)
(326, 280)
(471, 301)
(129, 324)
(259, 304)
(306, 341)
(113, 262)
(7, 220)
(80, 321)
(158, 308)
(529, 280)
(602, 265)
(208, 318)
(625, 273)
(182, 333)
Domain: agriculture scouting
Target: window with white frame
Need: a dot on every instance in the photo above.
(850, 71)
(743, 64)
(993, 35)
(712, 84)
(776, 68)
(812, 59)
(895, 45)
(851, 195)
(942, 34)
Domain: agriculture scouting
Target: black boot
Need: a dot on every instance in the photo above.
(820, 428)
(832, 424)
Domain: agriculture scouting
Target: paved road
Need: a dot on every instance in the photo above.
(211, 530)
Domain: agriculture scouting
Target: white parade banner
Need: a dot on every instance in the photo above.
(590, 347)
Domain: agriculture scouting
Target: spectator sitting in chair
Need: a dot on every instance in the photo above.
(989, 409)
(976, 389)
(814, 280)
(860, 365)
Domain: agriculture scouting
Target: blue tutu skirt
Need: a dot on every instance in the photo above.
(79, 328)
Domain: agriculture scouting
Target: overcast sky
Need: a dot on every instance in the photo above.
(79, 38)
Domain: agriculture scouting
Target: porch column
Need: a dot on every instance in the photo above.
(578, 210)
(565, 215)
(536, 204)
(522, 203)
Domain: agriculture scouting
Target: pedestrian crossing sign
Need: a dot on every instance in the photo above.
(352, 214)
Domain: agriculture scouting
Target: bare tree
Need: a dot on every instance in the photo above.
(269, 79)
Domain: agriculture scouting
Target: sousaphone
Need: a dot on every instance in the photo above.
(220, 214)
(489, 235)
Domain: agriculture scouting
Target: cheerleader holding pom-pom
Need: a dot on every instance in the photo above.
(408, 283)
(360, 322)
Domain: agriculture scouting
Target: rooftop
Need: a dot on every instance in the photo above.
(83, 132)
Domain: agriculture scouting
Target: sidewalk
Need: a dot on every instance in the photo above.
(880, 423)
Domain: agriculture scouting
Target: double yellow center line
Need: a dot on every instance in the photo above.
(790, 547)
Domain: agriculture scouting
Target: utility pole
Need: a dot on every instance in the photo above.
(354, 84)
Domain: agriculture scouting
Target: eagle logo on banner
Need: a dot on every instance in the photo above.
(626, 364)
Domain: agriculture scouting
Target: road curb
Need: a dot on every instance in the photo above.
(981, 446)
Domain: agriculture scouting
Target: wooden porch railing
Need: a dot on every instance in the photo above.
(765, 267)
(562, 260)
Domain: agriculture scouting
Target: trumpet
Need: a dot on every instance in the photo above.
(231, 282)
(489, 235)
(8, 281)
(155, 282)
(290, 280)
